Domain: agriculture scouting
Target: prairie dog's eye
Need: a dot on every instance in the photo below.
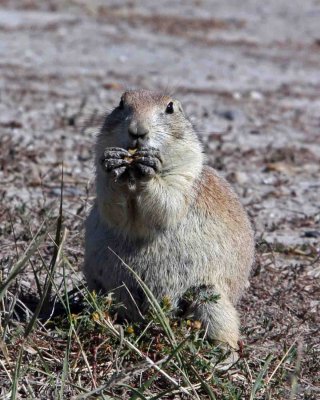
(169, 109)
(121, 104)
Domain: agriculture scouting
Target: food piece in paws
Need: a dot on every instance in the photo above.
(131, 157)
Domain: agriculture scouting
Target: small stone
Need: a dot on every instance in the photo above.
(227, 114)
(312, 234)
(237, 95)
(238, 177)
(255, 95)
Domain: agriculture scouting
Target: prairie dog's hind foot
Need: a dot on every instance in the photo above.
(219, 317)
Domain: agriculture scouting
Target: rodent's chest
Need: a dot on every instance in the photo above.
(160, 254)
(132, 208)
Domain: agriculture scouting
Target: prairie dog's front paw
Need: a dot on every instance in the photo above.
(147, 161)
(115, 161)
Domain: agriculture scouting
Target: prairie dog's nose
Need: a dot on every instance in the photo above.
(138, 129)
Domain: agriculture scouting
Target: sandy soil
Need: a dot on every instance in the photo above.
(248, 77)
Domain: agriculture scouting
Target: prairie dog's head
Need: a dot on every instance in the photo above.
(148, 119)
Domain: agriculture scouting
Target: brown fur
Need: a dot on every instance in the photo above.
(180, 227)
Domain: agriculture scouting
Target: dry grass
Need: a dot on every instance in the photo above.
(60, 341)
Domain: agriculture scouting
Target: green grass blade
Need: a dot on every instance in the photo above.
(58, 244)
(15, 378)
(42, 302)
(149, 382)
(259, 381)
(22, 262)
(204, 385)
(153, 302)
(65, 368)
(135, 391)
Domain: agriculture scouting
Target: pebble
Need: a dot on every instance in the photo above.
(255, 95)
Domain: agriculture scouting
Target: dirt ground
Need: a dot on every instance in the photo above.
(247, 74)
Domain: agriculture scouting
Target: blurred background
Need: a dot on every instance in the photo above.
(248, 76)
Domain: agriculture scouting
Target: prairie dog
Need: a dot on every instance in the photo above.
(172, 219)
